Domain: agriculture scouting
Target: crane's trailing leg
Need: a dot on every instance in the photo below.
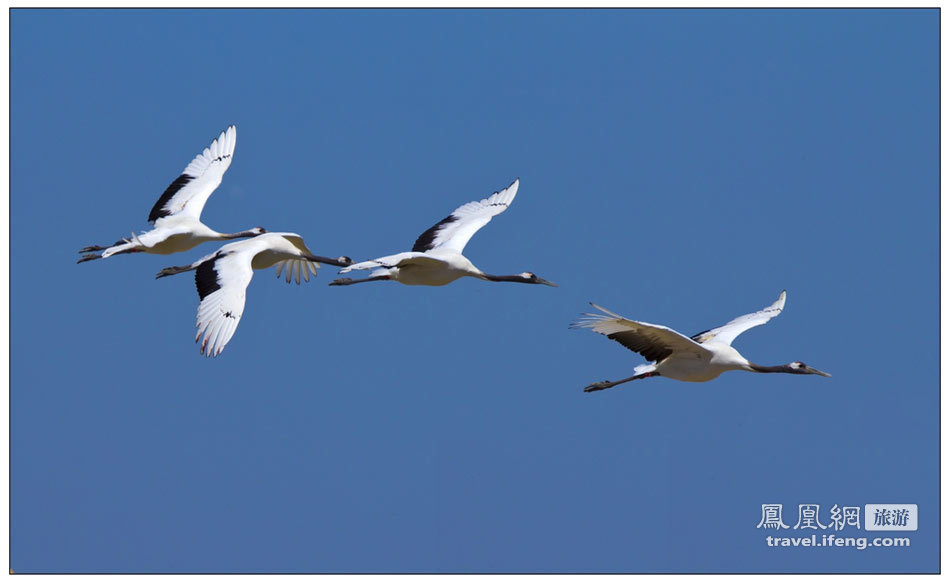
(131, 250)
(173, 271)
(348, 281)
(89, 257)
(92, 248)
(607, 384)
(97, 248)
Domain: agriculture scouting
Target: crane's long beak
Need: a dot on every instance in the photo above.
(546, 282)
(819, 372)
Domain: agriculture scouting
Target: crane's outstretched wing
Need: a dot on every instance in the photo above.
(294, 268)
(455, 230)
(189, 192)
(727, 333)
(222, 283)
(653, 342)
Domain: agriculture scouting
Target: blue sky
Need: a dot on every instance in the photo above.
(677, 166)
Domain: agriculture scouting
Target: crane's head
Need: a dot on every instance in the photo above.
(532, 278)
(257, 230)
(802, 368)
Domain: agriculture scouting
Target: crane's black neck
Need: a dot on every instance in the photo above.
(772, 369)
(511, 278)
(242, 234)
(327, 261)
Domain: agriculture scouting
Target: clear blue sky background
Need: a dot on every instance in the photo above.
(680, 167)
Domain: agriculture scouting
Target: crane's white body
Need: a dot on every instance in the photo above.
(177, 214)
(689, 367)
(436, 258)
(174, 234)
(435, 267)
(700, 358)
(223, 276)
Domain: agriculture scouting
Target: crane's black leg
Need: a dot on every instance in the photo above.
(348, 281)
(89, 257)
(173, 271)
(92, 248)
(607, 384)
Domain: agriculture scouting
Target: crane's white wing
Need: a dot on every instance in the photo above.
(653, 342)
(189, 192)
(222, 283)
(727, 333)
(455, 230)
(294, 268)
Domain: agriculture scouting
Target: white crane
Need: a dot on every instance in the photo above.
(436, 258)
(702, 357)
(222, 278)
(177, 214)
